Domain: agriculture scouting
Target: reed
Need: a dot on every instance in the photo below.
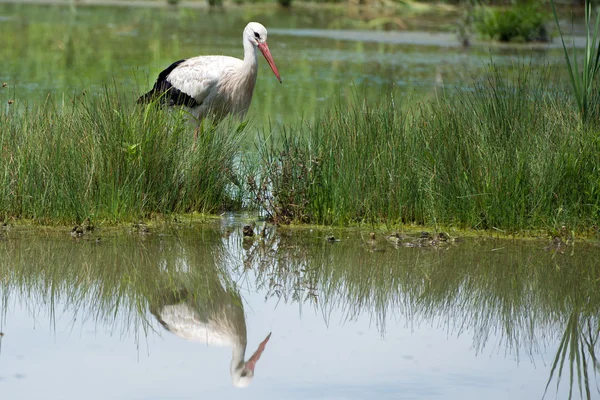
(584, 76)
(102, 157)
(503, 152)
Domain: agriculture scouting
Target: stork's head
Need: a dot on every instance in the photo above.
(243, 374)
(256, 34)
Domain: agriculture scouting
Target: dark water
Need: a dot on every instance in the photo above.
(55, 50)
(350, 319)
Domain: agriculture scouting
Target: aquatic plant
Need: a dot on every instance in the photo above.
(583, 81)
(102, 157)
(503, 153)
(523, 22)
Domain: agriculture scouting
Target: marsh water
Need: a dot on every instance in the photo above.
(184, 310)
(62, 51)
(158, 313)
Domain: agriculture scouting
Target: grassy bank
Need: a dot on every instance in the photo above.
(106, 159)
(507, 153)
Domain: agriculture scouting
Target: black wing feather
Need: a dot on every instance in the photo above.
(167, 93)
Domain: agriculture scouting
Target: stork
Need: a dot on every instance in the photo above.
(216, 321)
(214, 86)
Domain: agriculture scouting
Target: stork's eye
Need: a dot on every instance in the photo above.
(244, 373)
(257, 35)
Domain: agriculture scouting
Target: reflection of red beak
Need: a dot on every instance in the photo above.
(265, 50)
(251, 363)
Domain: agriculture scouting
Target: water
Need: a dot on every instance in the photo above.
(52, 49)
(350, 319)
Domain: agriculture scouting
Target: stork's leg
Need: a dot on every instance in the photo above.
(200, 127)
(199, 130)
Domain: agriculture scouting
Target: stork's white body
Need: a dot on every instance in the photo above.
(215, 86)
(220, 85)
(185, 322)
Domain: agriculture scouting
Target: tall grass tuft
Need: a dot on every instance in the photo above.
(504, 153)
(102, 157)
(583, 81)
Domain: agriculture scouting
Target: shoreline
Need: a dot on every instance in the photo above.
(160, 223)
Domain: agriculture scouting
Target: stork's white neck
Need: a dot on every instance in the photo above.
(238, 353)
(250, 56)
(243, 79)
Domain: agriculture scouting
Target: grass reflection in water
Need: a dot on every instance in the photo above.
(519, 294)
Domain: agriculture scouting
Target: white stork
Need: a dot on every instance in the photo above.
(214, 85)
(216, 321)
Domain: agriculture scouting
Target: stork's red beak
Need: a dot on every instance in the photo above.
(265, 50)
(251, 363)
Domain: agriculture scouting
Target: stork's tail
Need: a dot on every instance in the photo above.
(161, 87)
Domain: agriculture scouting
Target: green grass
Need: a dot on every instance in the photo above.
(106, 159)
(504, 153)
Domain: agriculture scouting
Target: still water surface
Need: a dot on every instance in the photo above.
(352, 319)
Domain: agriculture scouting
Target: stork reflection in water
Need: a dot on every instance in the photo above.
(216, 319)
